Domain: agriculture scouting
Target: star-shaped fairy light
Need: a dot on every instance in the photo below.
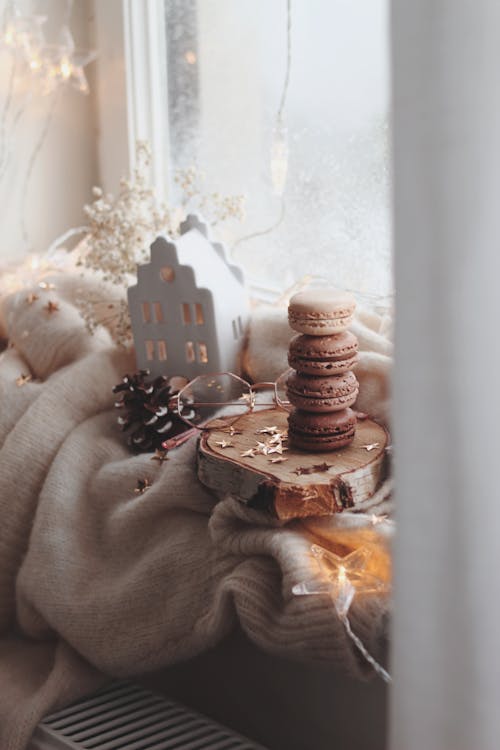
(22, 33)
(64, 64)
(23, 379)
(267, 430)
(341, 577)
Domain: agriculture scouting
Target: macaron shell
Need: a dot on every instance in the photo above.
(321, 432)
(322, 394)
(319, 326)
(323, 355)
(320, 444)
(320, 312)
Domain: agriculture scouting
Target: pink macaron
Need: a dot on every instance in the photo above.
(323, 355)
(322, 394)
(321, 311)
(321, 432)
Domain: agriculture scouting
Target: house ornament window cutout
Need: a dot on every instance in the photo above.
(189, 309)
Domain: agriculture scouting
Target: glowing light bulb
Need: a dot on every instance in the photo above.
(9, 36)
(342, 577)
(35, 64)
(65, 68)
(279, 157)
(190, 57)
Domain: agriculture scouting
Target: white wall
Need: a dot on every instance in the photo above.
(66, 167)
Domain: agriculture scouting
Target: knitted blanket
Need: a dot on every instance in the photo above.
(96, 580)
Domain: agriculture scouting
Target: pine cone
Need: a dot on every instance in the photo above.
(147, 417)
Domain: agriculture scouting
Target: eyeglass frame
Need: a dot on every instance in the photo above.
(175, 403)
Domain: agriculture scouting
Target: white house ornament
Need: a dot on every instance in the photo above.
(189, 308)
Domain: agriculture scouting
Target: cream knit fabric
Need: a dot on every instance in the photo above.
(95, 579)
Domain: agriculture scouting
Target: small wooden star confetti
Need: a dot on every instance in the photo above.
(278, 460)
(261, 448)
(233, 431)
(23, 379)
(51, 307)
(375, 520)
(249, 399)
(276, 439)
(224, 443)
(32, 298)
(142, 486)
(370, 446)
(267, 431)
(250, 453)
(46, 286)
(160, 455)
(275, 449)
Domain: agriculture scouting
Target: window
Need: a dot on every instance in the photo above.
(202, 353)
(162, 350)
(186, 313)
(150, 350)
(158, 311)
(167, 273)
(226, 64)
(200, 320)
(146, 312)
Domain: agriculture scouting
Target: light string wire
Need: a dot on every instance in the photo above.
(67, 13)
(4, 164)
(279, 120)
(378, 668)
(5, 111)
(286, 84)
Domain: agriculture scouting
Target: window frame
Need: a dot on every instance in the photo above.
(132, 88)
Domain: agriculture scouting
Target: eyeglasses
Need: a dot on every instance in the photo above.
(219, 400)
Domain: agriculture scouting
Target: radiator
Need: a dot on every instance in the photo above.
(124, 716)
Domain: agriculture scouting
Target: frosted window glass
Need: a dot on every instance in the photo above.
(226, 66)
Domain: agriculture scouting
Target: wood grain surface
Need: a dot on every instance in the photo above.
(305, 484)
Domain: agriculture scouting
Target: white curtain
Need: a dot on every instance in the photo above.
(446, 638)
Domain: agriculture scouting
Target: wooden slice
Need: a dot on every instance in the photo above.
(305, 484)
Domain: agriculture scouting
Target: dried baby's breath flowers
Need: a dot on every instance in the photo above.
(121, 229)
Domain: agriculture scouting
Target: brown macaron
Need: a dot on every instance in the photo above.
(321, 432)
(323, 355)
(322, 394)
(321, 311)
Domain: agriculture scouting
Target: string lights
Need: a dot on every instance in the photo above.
(279, 146)
(37, 67)
(343, 578)
(51, 65)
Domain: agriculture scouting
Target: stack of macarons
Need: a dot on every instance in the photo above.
(322, 386)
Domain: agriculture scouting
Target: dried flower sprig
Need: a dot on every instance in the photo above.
(121, 229)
